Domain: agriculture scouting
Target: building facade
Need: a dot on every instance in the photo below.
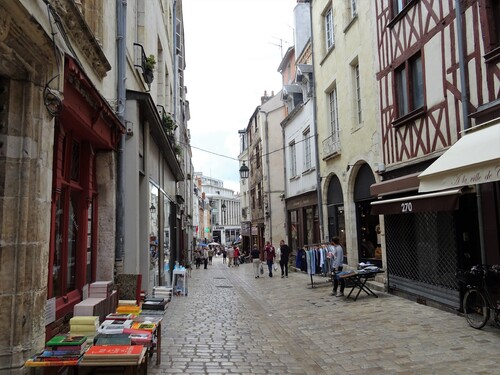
(224, 210)
(347, 124)
(438, 78)
(299, 137)
(83, 149)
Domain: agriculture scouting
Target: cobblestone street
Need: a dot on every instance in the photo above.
(232, 323)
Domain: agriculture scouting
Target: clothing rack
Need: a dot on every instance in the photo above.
(317, 255)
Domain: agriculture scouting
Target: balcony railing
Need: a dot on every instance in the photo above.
(331, 145)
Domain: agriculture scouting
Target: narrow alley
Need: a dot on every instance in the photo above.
(232, 323)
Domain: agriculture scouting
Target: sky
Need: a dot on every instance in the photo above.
(232, 56)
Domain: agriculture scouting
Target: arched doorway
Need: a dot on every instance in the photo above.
(336, 213)
(367, 225)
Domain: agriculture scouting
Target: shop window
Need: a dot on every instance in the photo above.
(72, 248)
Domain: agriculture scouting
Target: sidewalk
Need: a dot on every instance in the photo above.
(232, 323)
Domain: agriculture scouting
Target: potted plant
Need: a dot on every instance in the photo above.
(178, 150)
(149, 67)
(168, 124)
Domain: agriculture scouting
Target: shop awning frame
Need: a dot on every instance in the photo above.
(432, 202)
(473, 159)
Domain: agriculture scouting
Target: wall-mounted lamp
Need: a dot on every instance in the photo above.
(152, 209)
(349, 167)
(244, 171)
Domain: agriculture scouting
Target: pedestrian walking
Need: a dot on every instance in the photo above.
(236, 256)
(255, 254)
(284, 258)
(224, 256)
(230, 256)
(338, 263)
(205, 258)
(210, 255)
(197, 258)
(270, 255)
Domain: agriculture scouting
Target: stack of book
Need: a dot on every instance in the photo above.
(84, 325)
(154, 306)
(120, 316)
(105, 355)
(144, 326)
(112, 339)
(61, 350)
(114, 326)
(128, 307)
(100, 289)
(162, 292)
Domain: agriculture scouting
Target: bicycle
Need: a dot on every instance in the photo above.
(478, 302)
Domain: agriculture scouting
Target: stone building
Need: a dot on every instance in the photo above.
(344, 53)
(83, 146)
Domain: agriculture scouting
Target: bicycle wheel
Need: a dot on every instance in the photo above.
(476, 308)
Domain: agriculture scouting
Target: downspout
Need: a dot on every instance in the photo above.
(285, 186)
(315, 126)
(465, 115)
(268, 180)
(121, 10)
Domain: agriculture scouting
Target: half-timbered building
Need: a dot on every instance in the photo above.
(438, 79)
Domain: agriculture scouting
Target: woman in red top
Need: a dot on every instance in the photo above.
(236, 256)
(270, 255)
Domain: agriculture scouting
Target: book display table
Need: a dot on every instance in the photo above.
(108, 364)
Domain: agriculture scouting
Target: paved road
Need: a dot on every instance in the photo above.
(232, 323)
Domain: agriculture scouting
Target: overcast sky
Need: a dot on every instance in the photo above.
(232, 57)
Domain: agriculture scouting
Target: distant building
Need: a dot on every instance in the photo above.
(224, 225)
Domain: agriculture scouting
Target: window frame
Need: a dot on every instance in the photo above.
(333, 112)
(307, 149)
(293, 159)
(406, 99)
(354, 9)
(329, 29)
(357, 90)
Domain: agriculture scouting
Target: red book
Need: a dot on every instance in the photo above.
(114, 351)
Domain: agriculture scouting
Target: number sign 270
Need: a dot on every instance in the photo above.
(406, 207)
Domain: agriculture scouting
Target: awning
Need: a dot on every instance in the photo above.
(473, 159)
(432, 202)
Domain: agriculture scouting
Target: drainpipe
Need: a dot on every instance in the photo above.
(465, 115)
(174, 57)
(121, 13)
(315, 128)
(268, 179)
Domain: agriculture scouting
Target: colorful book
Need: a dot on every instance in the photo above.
(119, 316)
(112, 339)
(93, 320)
(35, 362)
(143, 326)
(140, 338)
(114, 352)
(66, 340)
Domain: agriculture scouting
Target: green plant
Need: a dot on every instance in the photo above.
(178, 150)
(168, 124)
(150, 62)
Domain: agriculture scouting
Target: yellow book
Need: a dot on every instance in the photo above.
(83, 328)
(84, 320)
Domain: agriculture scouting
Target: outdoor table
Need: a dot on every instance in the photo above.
(359, 279)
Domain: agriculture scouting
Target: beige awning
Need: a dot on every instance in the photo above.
(474, 159)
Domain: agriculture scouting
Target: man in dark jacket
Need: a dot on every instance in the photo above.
(285, 255)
